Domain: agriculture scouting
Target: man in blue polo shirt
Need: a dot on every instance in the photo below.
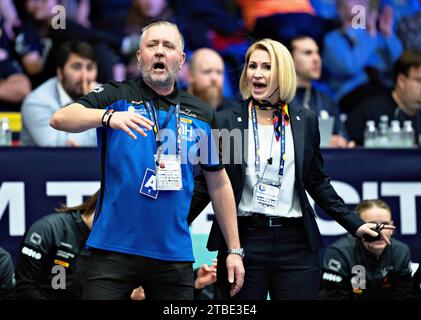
(149, 137)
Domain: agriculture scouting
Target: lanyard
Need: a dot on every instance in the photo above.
(257, 143)
(150, 107)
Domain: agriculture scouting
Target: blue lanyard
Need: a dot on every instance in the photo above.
(150, 107)
(257, 143)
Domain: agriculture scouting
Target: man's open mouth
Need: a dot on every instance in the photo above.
(159, 66)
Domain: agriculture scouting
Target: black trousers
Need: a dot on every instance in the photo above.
(277, 262)
(113, 276)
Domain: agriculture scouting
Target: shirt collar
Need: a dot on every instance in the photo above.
(64, 97)
(149, 94)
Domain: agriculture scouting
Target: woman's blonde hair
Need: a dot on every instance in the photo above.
(281, 64)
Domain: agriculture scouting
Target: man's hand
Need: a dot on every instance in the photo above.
(88, 86)
(126, 120)
(337, 141)
(368, 228)
(138, 294)
(206, 275)
(236, 272)
(386, 21)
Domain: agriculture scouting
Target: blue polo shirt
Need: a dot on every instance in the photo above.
(127, 220)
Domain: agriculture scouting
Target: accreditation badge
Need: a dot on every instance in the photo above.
(168, 172)
(265, 197)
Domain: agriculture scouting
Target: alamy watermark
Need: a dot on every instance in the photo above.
(59, 19)
(58, 282)
(358, 281)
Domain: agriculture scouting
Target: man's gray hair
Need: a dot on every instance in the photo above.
(162, 23)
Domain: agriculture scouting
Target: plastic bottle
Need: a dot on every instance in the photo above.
(383, 139)
(408, 134)
(370, 134)
(394, 134)
(5, 133)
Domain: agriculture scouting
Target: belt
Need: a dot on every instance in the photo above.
(260, 220)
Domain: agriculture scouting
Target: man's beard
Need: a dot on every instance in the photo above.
(211, 94)
(167, 82)
(74, 90)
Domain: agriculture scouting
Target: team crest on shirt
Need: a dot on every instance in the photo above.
(138, 108)
(186, 129)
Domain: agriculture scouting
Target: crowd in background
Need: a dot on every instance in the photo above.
(358, 41)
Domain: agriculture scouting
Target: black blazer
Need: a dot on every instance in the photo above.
(309, 175)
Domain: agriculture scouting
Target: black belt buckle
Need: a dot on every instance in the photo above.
(273, 223)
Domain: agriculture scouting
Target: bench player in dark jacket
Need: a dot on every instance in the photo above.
(361, 270)
(56, 239)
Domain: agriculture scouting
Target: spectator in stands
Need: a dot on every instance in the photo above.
(359, 58)
(206, 78)
(38, 42)
(7, 276)
(56, 239)
(409, 32)
(14, 85)
(9, 16)
(308, 66)
(361, 270)
(402, 103)
(140, 14)
(282, 19)
(76, 76)
(401, 8)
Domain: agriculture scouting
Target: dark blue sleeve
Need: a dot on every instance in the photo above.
(27, 41)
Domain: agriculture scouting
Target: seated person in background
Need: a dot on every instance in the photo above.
(354, 268)
(56, 239)
(358, 59)
(308, 66)
(403, 103)
(76, 76)
(14, 85)
(206, 78)
(7, 276)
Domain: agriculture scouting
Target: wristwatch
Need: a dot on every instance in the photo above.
(239, 251)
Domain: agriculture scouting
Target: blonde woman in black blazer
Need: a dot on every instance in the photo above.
(277, 224)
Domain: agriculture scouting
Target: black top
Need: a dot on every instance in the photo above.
(371, 109)
(56, 239)
(7, 278)
(388, 277)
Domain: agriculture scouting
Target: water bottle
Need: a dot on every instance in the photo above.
(394, 134)
(383, 139)
(370, 134)
(5, 133)
(408, 134)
